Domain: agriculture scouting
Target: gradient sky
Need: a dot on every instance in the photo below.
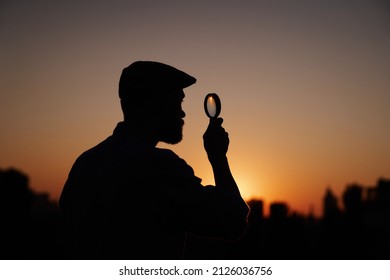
(304, 85)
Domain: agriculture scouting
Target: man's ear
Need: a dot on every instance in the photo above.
(164, 105)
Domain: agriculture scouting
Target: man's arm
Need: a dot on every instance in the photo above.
(216, 143)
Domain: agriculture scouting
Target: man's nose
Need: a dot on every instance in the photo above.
(182, 114)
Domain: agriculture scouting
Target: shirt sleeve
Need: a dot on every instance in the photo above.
(203, 210)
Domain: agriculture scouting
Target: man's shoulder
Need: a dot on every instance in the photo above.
(167, 156)
(98, 150)
(171, 165)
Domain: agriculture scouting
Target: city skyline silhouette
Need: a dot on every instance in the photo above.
(355, 226)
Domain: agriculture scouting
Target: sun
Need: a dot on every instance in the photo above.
(250, 187)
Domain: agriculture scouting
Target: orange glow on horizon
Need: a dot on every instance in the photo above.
(305, 100)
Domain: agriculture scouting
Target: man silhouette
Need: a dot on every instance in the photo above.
(127, 199)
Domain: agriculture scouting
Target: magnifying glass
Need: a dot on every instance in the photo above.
(212, 105)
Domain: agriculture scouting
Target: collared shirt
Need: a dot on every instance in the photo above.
(126, 200)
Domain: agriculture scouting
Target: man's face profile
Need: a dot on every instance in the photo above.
(151, 94)
(172, 119)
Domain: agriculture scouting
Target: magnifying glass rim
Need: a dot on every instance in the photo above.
(217, 105)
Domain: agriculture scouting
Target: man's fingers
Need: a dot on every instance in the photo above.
(217, 121)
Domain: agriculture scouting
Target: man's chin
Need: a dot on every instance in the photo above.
(172, 135)
(172, 140)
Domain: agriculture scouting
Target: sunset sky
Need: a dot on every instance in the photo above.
(304, 85)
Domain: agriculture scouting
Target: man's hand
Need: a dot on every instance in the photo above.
(216, 140)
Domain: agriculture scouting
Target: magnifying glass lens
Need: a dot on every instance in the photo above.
(212, 105)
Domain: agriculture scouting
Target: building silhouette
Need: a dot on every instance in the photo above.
(331, 208)
(28, 220)
(359, 228)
